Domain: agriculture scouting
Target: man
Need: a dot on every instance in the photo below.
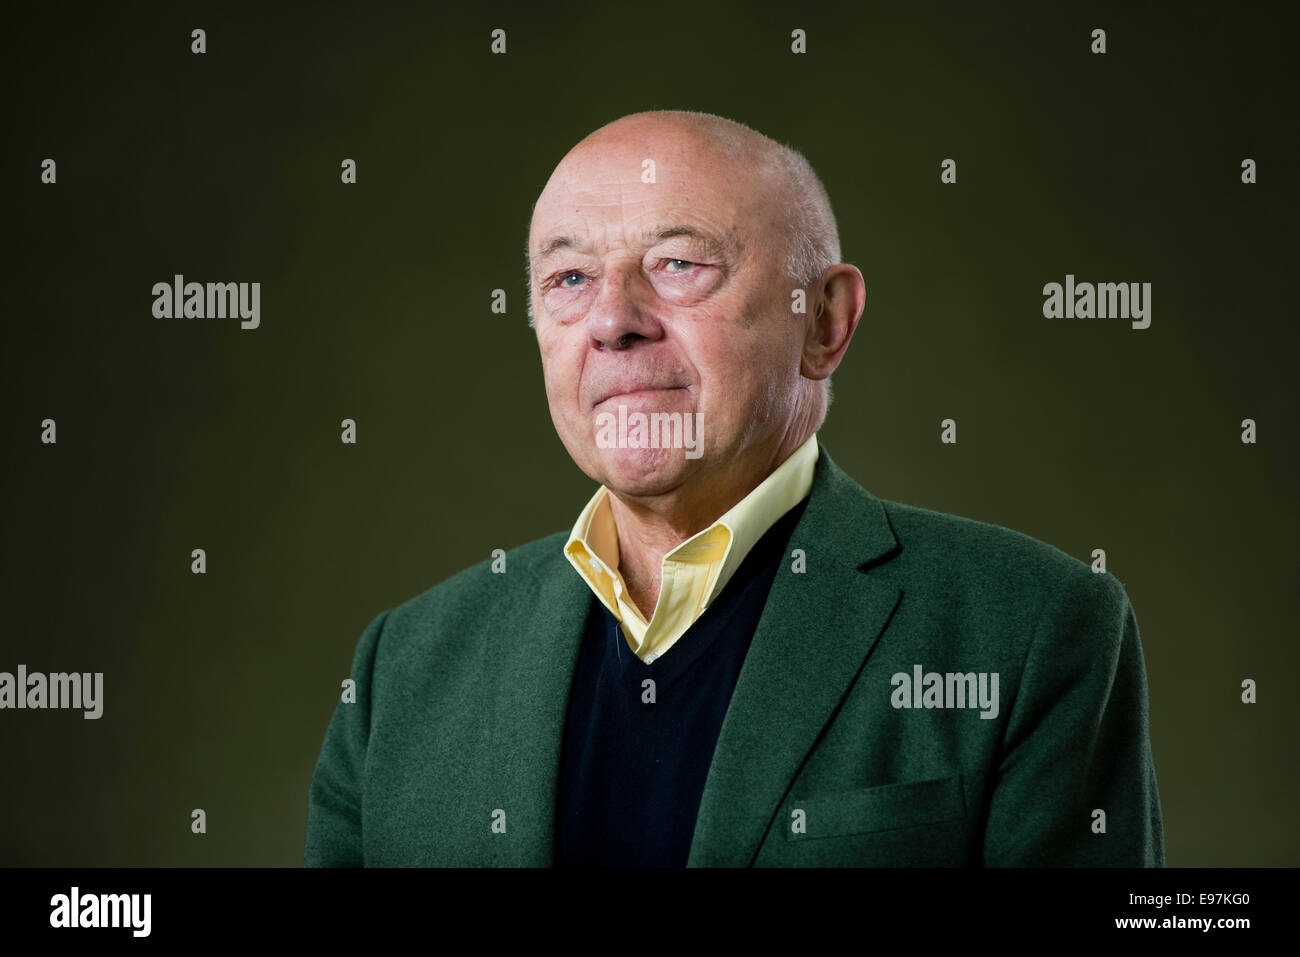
(737, 656)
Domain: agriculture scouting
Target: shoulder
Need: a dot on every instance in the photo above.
(945, 539)
(953, 558)
(502, 588)
(505, 576)
(997, 573)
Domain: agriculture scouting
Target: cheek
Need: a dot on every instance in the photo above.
(734, 359)
(557, 362)
(748, 377)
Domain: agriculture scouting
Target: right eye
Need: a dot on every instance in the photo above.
(562, 279)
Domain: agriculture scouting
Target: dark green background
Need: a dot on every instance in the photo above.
(177, 434)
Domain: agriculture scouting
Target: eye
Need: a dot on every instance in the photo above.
(679, 265)
(562, 279)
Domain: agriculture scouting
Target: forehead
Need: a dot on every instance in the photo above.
(624, 192)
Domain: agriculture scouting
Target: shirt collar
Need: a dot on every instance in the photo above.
(592, 546)
(750, 518)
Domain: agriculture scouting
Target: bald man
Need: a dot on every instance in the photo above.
(737, 655)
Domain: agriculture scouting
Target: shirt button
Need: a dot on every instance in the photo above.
(650, 657)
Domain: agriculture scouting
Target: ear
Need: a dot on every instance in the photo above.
(842, 295)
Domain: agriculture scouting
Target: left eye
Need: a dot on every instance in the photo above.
(679, 265)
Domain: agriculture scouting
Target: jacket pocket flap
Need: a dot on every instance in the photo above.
(881, 808)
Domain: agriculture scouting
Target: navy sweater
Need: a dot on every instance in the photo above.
(639, 738)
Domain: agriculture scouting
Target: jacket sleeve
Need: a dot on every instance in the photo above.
(1077, 743)
(334, 803)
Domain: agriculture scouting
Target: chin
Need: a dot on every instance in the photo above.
(642, 471)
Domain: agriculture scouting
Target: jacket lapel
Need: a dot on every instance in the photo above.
(528, 709)
(815, 634)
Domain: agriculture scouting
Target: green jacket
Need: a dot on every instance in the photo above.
(450, 754)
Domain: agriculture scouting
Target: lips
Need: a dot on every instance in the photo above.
(637, 389)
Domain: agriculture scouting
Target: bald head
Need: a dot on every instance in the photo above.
(813, 241)
(780, 173)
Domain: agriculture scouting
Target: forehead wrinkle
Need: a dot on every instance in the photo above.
(722, 246)
(588, 199)
(583, 192)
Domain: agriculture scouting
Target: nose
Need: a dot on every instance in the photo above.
(623, 312)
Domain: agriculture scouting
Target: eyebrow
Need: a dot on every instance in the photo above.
(715, 246)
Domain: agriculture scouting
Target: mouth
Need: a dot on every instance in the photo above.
(648, 391)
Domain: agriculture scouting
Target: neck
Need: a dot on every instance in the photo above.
(649, 527)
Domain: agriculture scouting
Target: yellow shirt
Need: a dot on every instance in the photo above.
(696, 571)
